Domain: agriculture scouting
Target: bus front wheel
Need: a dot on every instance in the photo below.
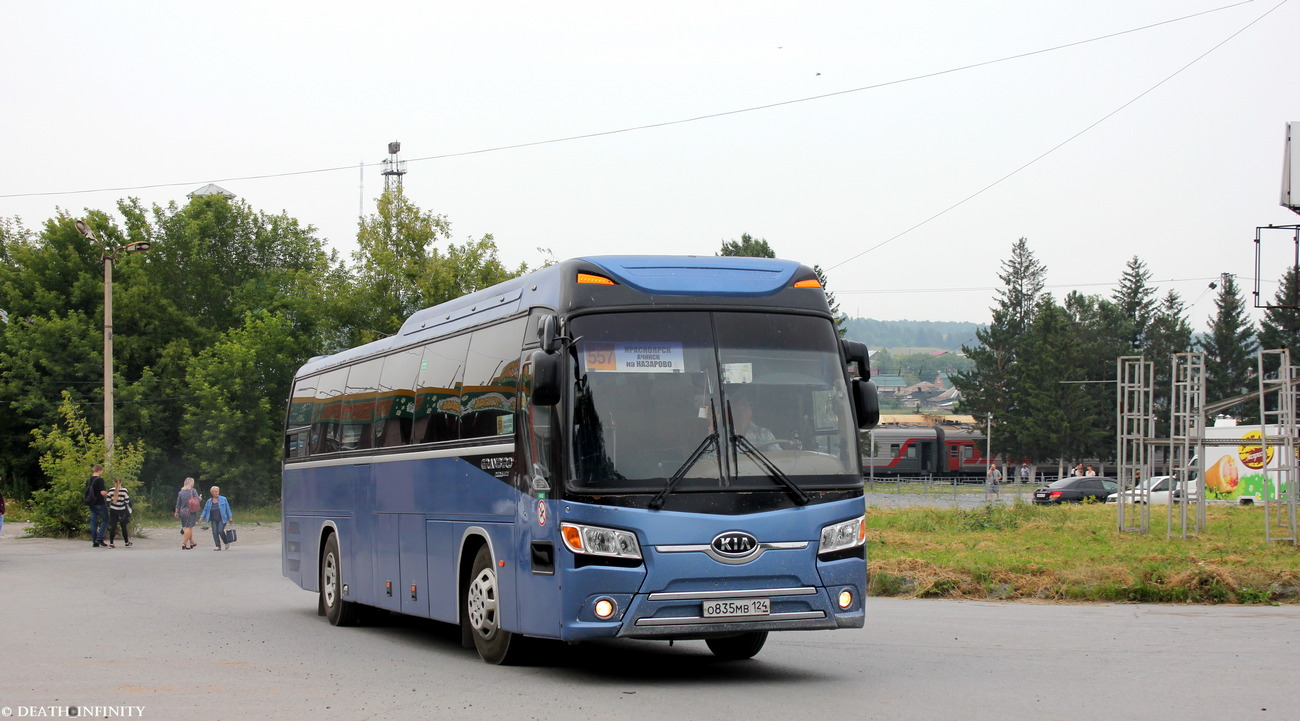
(738, 647)
(338, 611)
(481, 613)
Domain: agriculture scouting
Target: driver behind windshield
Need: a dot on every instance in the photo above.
(742, 424)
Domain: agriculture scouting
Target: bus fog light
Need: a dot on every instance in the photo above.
(605, 607)
(845, 599)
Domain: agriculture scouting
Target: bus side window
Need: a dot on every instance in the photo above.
(302, 411)
(395, 402)
(491, 378)
(359, 404)
(437, 390)
(326, 428)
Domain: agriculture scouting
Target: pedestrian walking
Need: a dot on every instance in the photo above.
(119, 514)
(96, 500)
(187, 510)
(992, 481)
(1024, 472)
(216, 511)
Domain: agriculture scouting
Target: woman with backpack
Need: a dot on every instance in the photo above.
(187, 510)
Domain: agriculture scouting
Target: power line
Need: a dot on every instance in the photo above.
(1063, 143)
(698, 118)
(984, 289)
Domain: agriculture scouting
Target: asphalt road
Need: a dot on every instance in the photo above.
(154, 632)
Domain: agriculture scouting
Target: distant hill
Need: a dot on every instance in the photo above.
(943, 335)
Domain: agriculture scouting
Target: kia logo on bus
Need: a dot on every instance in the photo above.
(735, 544)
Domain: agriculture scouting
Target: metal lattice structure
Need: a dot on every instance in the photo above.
(1187, 439)
(1277, 411)
(1135, 426)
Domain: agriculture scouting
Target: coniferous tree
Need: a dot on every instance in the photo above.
(1229, 351)
(1280, 327)
(834, 304)
(993, 385)
(1168, 333)
(1136, 301)
(1058, 416)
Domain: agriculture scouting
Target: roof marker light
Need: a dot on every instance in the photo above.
(810, 283)
(593, 279)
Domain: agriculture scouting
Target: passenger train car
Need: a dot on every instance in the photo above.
(940, 450)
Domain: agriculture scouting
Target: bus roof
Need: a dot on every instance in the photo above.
(734, 278)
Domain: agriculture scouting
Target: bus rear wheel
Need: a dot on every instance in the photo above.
(738, 647)
(481, 613)
(338, 611)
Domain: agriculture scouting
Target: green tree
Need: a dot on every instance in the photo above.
(68, 451)
(836, 313)
(397, 269)
(1229, 349)
(1097, 336)
(1054, 417)
(1136, 301)
(992, 385)
(1280, 327)
(212, 261)
(239, 388)
(748, 247)
(1168, 333)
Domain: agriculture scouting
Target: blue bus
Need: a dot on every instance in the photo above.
(614, 446)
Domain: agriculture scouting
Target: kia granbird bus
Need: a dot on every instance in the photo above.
(632, 446)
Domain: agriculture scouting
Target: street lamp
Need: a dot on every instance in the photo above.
(108, 254)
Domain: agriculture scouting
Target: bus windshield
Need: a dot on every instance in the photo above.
(735, 401)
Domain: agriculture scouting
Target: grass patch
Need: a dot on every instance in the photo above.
(258, 514)
(1075, 553)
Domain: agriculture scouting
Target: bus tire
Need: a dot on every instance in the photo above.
(338, 611)
(738, 647)
(481, 613)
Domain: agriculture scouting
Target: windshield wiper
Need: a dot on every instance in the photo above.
(710, 441)
(743, 443)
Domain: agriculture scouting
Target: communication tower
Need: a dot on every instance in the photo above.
(394, 169)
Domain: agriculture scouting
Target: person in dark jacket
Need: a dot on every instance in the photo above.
(98, 506)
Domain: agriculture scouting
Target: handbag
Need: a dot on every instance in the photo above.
(229, 535)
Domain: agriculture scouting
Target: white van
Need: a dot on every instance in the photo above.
(1159, 488)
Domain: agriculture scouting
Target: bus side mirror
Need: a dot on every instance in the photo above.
(855, 352)
(548, 332)
(547, 376)
(866, 404)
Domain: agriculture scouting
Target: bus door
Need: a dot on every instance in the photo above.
(537, 520)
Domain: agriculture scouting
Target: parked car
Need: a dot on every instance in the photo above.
(1076, 489)
(1159, 489)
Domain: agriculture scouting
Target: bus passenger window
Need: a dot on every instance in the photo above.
(395, 402)
(491, 376)
(437, 391)
(326, 428)
(359, 405)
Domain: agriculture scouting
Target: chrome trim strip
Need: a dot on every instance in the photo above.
(686, 620)
(748, 593)
(495, 449)
(711, 552)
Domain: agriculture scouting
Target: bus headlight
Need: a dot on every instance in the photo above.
(844, 535)
(598, 541)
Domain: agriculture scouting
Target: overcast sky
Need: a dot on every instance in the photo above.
(903, 146)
